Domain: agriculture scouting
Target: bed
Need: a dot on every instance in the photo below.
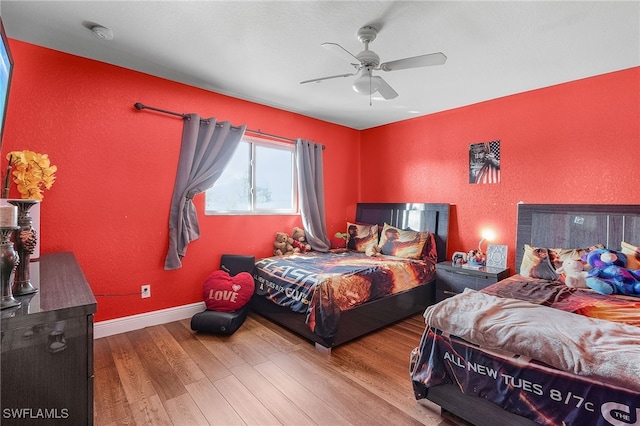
(315, 307)
(531, 351)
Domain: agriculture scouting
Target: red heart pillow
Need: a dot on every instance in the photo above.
(225, 293)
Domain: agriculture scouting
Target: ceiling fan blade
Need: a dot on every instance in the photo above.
(384, 89)
(415, 62)
(328, 78)
(330, 44)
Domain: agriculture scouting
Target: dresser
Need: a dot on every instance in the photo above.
(47, 348)
(451, 280)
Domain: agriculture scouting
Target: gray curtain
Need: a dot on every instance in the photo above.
(207, 147)
(311, 193)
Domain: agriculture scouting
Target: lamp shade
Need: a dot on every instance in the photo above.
(488, 234)
(366, 84)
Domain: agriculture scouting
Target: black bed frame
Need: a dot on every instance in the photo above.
(547, 225)
(375, 314)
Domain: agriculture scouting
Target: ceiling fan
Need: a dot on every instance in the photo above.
(369, 61)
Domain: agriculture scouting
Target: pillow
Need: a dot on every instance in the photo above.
(542, 262)
(361, 236)
(225, 293)
(401, 243)
(633, 255)
(430, 251)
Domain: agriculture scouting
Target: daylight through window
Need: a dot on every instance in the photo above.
(259, 179)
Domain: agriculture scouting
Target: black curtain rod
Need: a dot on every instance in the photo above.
(140, 107)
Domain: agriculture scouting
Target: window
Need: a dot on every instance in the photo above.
(259, 179)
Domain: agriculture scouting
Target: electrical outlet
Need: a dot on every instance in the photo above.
(145, 291)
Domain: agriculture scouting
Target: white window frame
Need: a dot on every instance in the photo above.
(263, 143)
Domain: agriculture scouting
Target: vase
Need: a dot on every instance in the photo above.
(25, 239)
(8, 261)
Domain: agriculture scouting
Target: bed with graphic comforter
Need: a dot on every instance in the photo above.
(529, 350)
(334, 297)
(322, 285)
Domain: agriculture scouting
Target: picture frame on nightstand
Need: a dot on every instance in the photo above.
(496, 256)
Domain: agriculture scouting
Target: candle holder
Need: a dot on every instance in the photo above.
(8, 260)
(25, 239)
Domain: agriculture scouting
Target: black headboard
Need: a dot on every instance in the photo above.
(576, 226)
(417, 216)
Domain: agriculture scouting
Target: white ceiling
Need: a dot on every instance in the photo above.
(261, 50)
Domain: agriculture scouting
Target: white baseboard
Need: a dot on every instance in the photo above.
(136, 322)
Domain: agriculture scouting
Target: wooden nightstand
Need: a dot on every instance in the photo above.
(451, 280)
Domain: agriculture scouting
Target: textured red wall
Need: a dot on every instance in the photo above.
(574, 143)
(116, 168)
(577, 142)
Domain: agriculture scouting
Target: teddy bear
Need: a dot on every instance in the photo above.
(282, 245)
(574, 273)
(300, 240)
(609, 274)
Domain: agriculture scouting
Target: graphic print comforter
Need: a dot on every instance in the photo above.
(506, 344)
(322, 285)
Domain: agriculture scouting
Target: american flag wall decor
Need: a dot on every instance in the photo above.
(484, 162)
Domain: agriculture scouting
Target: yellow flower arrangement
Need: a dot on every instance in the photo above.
(33, 173)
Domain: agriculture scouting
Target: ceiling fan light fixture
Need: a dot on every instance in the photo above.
(366, 85)
(368, 61)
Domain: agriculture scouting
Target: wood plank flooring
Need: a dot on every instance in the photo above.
(261, 375)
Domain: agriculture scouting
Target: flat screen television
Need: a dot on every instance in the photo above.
(6, 70)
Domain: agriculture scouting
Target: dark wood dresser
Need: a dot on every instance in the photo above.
(47, 348)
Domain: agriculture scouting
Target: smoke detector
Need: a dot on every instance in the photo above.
(102, 32)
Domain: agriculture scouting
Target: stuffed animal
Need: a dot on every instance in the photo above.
(298, 247)
(300, 240)
(609, 274)
(282, 245)
(339, 240)
(601, 258)
(475, 257)
(342, 235)
(574, 273)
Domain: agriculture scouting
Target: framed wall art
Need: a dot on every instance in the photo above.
(484, 162)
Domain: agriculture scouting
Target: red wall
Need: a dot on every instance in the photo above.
(116, 168)
(574, 143)
(577, 142)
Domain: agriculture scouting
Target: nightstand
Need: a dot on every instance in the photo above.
(451, 280)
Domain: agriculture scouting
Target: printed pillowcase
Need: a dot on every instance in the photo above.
(633, 255)
(543, 262)
(361, 236)
(400, 243)
(430, 252)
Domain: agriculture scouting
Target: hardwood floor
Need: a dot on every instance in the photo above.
(261, 375)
